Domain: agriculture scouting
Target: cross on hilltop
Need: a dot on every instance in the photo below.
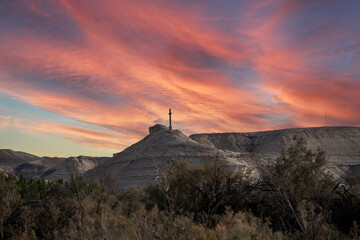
(170, 127)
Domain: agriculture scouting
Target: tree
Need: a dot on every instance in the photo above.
(200, 192)
(295, 192)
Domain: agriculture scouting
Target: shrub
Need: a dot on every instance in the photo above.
(202, 193)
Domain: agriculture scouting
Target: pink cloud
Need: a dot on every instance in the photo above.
(78, 135)
(135, 59)
(5, 121)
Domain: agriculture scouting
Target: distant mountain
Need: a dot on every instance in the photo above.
(139, 164)
(36, 168)
(72, 165)
(31, 166)
(9, 157)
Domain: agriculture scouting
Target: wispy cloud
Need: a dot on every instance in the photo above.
(238, 66)
(77, 135)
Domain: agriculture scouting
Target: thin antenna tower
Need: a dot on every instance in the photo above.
(170, 127)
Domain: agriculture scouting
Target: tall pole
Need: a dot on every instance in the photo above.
(170, 127)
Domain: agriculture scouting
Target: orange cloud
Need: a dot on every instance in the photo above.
(77, 135)
(5, 121)
(126, 75)
(122, 64)
(305, 66)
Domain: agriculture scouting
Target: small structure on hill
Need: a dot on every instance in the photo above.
(170, 127)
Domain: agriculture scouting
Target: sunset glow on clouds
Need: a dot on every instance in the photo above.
(98, 74)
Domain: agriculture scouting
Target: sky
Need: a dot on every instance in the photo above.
(89, 77)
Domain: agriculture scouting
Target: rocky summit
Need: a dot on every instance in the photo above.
(139, 164)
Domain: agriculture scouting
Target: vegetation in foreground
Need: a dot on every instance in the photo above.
(292, 199)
